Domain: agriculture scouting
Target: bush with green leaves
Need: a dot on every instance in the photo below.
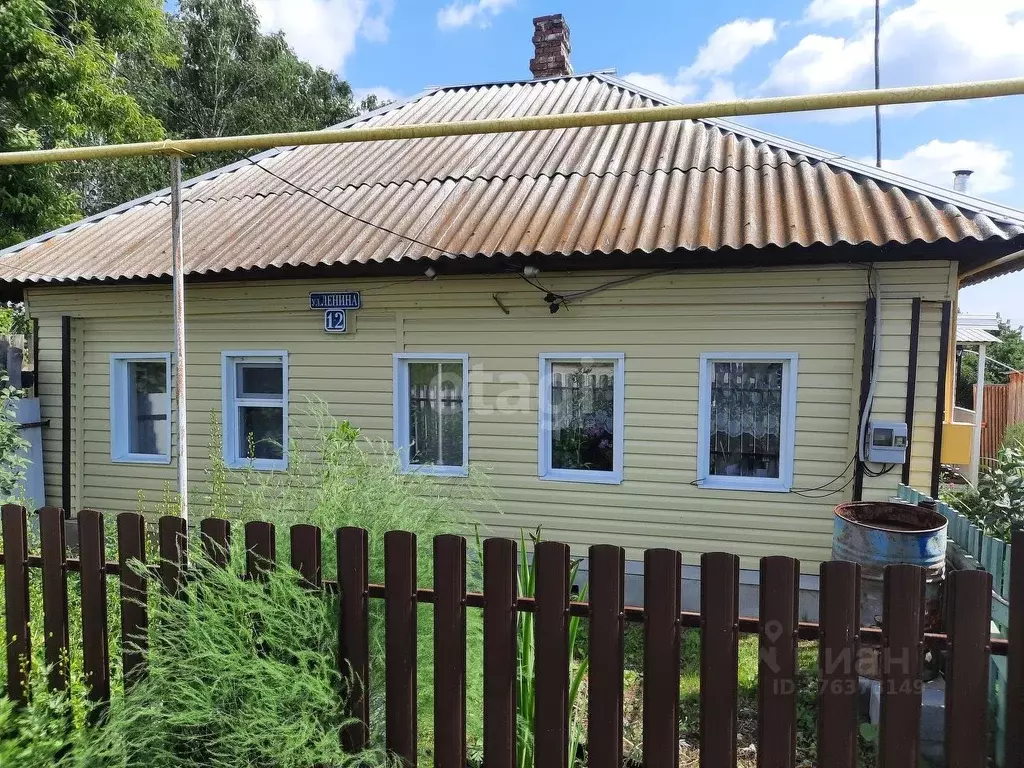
(35, 735)
(12, 444)
(997, 503)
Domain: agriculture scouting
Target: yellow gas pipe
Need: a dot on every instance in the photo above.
(773, 105)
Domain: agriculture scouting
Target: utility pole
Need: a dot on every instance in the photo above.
(178, 272)
(878, 84)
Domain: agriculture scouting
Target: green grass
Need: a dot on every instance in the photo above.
(747, 680)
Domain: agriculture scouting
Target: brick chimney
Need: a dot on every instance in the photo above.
(551, 47)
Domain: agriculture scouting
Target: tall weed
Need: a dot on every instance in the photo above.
(347, 480)
(240, 673)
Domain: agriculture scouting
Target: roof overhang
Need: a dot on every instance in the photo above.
(748, 257)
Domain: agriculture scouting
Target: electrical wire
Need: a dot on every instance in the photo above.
(348, 214)
(823, 486)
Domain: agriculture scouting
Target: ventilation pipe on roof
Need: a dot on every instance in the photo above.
(960, 179)
(550, 47)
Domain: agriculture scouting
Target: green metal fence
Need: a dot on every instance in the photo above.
(993, 555)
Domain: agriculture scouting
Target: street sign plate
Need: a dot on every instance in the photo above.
(339, 300)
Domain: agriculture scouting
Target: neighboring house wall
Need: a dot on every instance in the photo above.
(662, 324)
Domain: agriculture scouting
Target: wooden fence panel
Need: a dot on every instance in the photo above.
(1015, 398)
(662, 586)
(95, 645)
(55, 596)
(354, 631)
(400, 645)
(131, 547)
(994, 418)
(605, 634)
(260, 549)
(16, 598)
(551, 629)
(839, 603)
(307, 553)
(776, 688)
(719, 658)
(1015, 657)
(173, 553)
(500, 653)
(969, 605)
(902, 633)
(215, 537)
(450, 651)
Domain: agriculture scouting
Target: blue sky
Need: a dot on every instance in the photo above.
(731, 48)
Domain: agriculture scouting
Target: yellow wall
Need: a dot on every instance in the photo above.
(662, 324)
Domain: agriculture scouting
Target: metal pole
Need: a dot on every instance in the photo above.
(878, 84)
(979, 415)
(178, 264)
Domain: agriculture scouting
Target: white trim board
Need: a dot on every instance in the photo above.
(544, 469)
(229, 408)
(400, 381)
(784, 482)
(120, 408)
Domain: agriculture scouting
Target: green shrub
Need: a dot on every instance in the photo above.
(36, 735)
(12, 465)
(997, 504)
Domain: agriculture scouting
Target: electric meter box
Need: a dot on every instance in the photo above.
(887, 442)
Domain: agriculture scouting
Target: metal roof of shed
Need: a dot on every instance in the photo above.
(706, 185)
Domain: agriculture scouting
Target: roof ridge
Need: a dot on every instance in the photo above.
(958, 199)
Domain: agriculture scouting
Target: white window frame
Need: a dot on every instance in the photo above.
(402, 443)
(784, 482)
(120, 409)
(230, 403)
(544, 469)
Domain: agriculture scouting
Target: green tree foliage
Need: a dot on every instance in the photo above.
(1009, 351)
(94, 71)
(235, 80)
(61, 84)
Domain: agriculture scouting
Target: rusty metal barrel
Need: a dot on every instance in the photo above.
(880, 533)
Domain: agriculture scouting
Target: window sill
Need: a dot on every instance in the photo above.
(435, 471)
(582, 476)
(259, 465)
(140, 458)
(759, 485)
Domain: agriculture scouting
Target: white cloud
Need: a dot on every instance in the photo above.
(830, 11)
(382, 92)
(726, 48)
(729, 45)
(935, 162)
(929, 41)
(662, 85)
(324, 32)
(480, 12)
(721, 90)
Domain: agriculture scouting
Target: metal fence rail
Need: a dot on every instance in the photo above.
(969, 646)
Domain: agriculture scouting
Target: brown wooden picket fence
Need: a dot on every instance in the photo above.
(967, 646)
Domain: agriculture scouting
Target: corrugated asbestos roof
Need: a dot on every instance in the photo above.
(664, 187)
